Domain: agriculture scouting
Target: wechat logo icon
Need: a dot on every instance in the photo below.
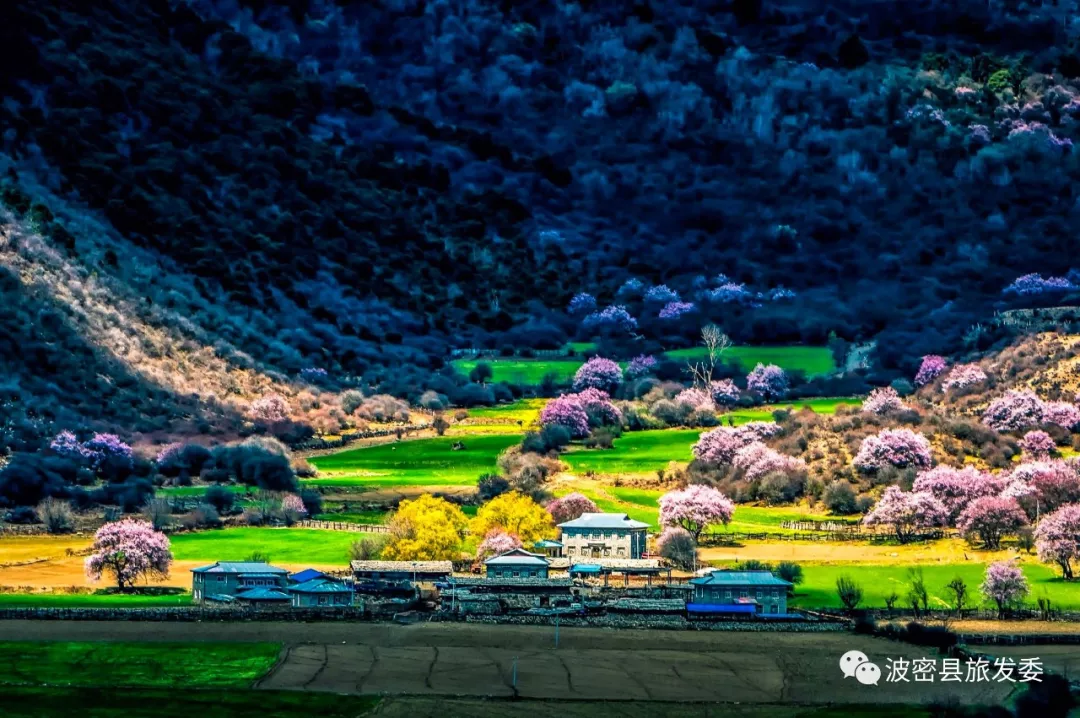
(856, 664)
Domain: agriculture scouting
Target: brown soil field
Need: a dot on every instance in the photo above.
(471, 660)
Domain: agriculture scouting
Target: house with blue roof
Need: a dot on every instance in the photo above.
(600, 535)
(227, 581)
(308, 574)
(517, 563)
(320, 593)
(747, 593)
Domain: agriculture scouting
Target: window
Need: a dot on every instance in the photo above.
(727, 593)
(516, 574)
(322, 600)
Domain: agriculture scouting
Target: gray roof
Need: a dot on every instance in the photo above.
(604, 521)
(615, 564)
(441, 567)
(240, 567)
(547, 543)
(517, 557)
(471, 582)
(739, 578)
(320, 585)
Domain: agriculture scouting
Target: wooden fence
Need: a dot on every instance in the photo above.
(343, 526)
(732, 538)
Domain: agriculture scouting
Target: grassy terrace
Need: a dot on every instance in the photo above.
(101, 599)
(423, 462)
(283, 546)
(815, 361)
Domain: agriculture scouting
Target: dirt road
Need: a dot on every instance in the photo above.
(507, 661)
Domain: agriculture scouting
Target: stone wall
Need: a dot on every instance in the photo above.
(663, 622)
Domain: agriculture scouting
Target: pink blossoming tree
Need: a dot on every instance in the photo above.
(1016, 410)
(757, 460)
(696, 399)
(962, 376)
(695, 508)
(724, 392)
(570, 507)
(931, 368)
(956, 488)
(1063, 414)
(770, 381)
(1057, 538)
(907, 514)
(496, 541)
(270, 408)
(598, 373)
(1053, 483)
(1037, 445)
(990, 518)
(882, 401)
(129, 550)
(894, 447)
(678, 546)
(598, 407)
(1005, 585)
(640, 366)
(566, 411)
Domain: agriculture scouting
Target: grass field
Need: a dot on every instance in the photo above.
(815, 361)
(877, 581)
(639, 452)
(765, 413)
(421, 462)
(289, 546)
(211, 665)
(513, 418)
(93, 600)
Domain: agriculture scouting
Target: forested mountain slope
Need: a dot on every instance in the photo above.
(250, 189)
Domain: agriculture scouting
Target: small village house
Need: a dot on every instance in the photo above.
(739, 592)
(320, 593)
(598, 535)
(517, 563)
(414, 571)
(228, 581)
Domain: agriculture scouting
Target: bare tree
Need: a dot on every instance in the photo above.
(56, 515)
(959, 590)
(715, 343)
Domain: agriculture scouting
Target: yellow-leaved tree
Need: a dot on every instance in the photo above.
(516, 514)
(426, 529)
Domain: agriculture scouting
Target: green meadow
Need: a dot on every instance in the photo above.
(165, 665)
(101, 599)
(815, 361)
(282, 545)
(877, 581)
(418, 462)
(765, 413)
(638, 452)
(513, 418)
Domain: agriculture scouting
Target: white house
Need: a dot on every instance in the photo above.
(603, 535)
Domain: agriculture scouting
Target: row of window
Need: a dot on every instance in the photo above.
(729, 593)
(587, 552)
(595, 534)
(519, 574)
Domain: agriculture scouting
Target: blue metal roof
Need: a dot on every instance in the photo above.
(739, 578)
(586, 568)
(720, 608)
(308, 574)
(320, 585)
(263, 594)
(547, 543)
(604, 521)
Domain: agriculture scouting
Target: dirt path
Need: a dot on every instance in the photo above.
(521, 661)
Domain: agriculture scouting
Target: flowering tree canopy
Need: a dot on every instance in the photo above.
(428, 528)
(990, 518)
(757, 460)
(1057, 538)
(566, 411)
(293, 504)
(1038, 445)
(963, 376)
(65, 444)
(570, 507)
(272, 408)
(661, 294)
(674, 310)
(598, 407)
(1053, 483)
(956, 488)
(640, 366)
(496, 542)
(598, 373)
(582, 303)
(719, 445)
(1004, 584)
(894, 447)
(129, 550)
(695, 508)
(514, 513)
(769, 381)
(696, 398)
(907, 514)
(724, 392)
(882, 401)
(610, 319)
(1016, 410)
(1030, 284)
(931, 368)
(1062, 414)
